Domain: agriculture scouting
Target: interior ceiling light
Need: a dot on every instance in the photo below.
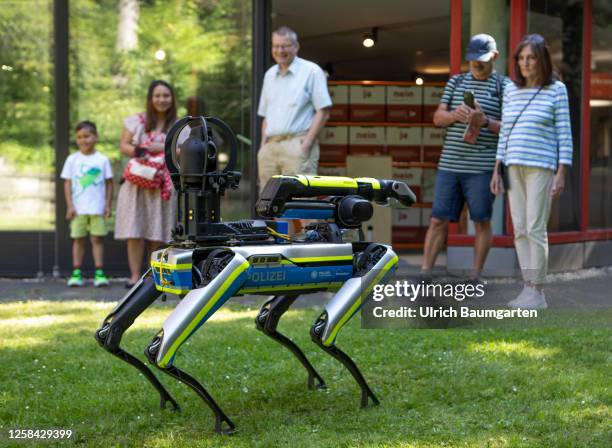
(419, 80)
(370, 38)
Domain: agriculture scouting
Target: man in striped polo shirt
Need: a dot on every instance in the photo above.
(465, 169)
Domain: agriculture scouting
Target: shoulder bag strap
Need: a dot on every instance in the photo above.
(458, 82)
(518, 117)
(498, 87)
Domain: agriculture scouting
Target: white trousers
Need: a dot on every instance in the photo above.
(530, 201)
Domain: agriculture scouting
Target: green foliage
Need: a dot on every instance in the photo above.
(37, 160)
(207, 55)
(207, 43)
(26, 81)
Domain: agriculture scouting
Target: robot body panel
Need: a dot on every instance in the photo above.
(197, 307)
(172, 270)
(275, 268)
(351, 296)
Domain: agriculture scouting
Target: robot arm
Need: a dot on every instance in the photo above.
(281, 190)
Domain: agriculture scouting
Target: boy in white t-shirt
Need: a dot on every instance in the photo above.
(88, 187)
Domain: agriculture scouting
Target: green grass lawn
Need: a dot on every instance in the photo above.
(463, 388)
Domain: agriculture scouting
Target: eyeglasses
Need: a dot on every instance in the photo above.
(281, 47)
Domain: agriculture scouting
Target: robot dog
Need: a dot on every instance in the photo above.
(209, 261)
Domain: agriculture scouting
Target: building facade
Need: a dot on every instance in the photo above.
(55, 72)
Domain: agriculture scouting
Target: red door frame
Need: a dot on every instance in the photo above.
(518, 28)
(587, 37)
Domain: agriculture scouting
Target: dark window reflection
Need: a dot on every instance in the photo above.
(560, 22)
(600, 176)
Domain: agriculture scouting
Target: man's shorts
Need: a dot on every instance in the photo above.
(452, 190)
(82, 225)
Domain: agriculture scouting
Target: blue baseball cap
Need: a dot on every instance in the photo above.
(481, 48)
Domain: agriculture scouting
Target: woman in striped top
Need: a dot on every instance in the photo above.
(535, 145)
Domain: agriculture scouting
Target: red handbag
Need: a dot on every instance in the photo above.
(149, 169)
(146, 171)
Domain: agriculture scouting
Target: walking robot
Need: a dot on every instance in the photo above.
(210, 261)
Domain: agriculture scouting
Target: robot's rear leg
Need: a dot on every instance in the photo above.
(109, 335)
(267, 321)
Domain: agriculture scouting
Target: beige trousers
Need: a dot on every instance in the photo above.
(530, 201)
(286, 157)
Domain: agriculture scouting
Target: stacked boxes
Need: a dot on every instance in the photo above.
(428, 184)
(409, 234)
(332, 170)
(375, 103)
(404, 144)
(377, 113)
(412, 177)
(367, 103)
(367, 140)
(404, 104)
(433, 139)
(333, 144)
(407, 223)
(431, 100)
(340, 99)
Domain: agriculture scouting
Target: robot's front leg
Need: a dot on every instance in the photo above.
(372, 266)
(191, 313)
(267, 321)
(109, 335)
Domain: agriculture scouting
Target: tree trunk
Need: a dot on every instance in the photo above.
(127, 37)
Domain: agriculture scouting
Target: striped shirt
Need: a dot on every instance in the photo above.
(542, 135)
(457, 155)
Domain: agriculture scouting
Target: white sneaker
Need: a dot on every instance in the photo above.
(521, 296)
(533, 300)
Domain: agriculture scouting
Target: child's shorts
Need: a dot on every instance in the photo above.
(82, 225)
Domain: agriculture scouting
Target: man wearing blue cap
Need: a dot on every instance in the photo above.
(465, 167)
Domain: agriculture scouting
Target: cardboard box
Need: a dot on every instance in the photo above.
(333, 144)
(431, 154)
(379, 167)
(433, 139)
(407, 217)
(403, 234)
(412, 176)
(431, 101)
(425, 217)
(404, 103)
(367, 103)
(340, 103)
(404, 144)
(332, 171)
(429, 180)
(366, 140)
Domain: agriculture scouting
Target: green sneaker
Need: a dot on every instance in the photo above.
(100, 279)
(76, 279)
